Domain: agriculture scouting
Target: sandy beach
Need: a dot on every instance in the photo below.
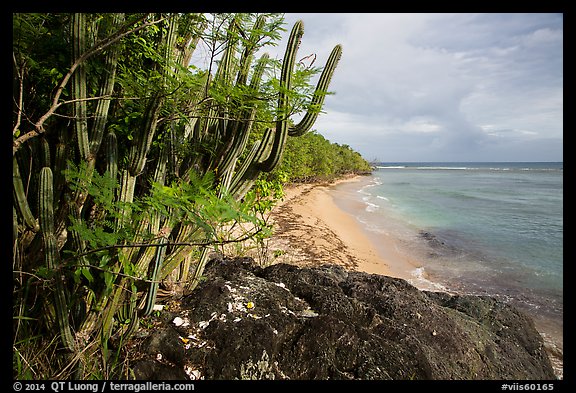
(310, 229)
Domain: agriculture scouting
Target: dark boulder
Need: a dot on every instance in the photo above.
(285, 322)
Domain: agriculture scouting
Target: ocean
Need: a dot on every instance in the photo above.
(476, 228)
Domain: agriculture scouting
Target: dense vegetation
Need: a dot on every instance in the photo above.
(130, 164)
(312, 157)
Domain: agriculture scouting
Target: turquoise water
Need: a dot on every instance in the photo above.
(480, 228)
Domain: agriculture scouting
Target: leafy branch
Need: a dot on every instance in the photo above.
(97, 48)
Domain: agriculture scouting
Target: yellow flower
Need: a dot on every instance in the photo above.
(249, 305)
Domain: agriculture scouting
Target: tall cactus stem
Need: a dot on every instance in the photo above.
(60, 156)
(318, 98)
(249, 50)
(126, 196)
(44, 153)
(154, 280)
(106, 88)
(78, 21)
(20, 198)
(241, 182)
(112, 155)
(285, 84)
(51, 255)
(195, 280)
(143, 139)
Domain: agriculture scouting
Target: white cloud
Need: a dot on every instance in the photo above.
(421, 87)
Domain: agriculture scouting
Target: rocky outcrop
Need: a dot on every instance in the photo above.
(285, 322)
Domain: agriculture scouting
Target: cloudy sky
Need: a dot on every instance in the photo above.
(441, 87)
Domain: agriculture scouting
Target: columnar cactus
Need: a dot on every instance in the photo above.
(214, 138)
(106, 88)
(268, 152)
(231, 134)
(52, 256)
(154, 280)
(79, 84)
(318, 98)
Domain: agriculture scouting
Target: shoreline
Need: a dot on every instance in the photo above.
(312, 228)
